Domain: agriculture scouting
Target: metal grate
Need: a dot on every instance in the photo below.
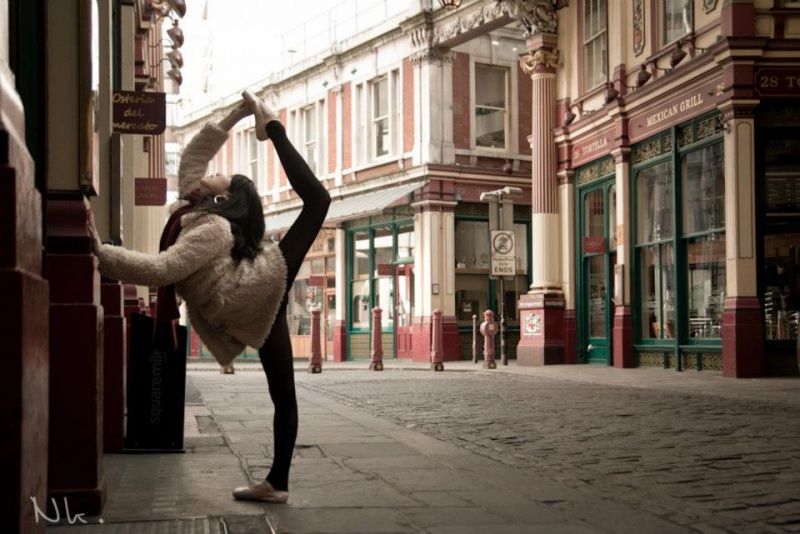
(651, 359)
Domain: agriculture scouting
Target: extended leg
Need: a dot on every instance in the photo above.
(276, 357)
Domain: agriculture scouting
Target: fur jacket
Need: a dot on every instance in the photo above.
(230, 306)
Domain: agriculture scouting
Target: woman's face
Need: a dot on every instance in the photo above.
(215, 184)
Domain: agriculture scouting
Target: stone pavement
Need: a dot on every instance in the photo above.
(564, 449)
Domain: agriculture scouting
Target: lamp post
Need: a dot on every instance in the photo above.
(501, 246)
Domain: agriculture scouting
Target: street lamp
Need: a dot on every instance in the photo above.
(501, 218)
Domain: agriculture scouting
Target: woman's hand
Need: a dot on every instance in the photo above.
(262, 112)
(93, 234)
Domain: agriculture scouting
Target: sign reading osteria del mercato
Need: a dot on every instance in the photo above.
(139, 112)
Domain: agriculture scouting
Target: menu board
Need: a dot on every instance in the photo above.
(783, 192)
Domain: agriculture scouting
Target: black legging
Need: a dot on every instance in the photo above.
(276, 352)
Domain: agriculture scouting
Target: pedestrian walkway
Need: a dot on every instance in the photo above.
(357, 473)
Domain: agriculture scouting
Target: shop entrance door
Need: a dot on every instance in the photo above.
(403, 305)
(597, 225)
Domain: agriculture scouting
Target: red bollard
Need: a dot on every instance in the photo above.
(489, 330)
(315, 366)
(474, 338)
(376, 364)
(436, 343)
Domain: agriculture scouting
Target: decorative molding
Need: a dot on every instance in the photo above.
(432, 55)
(539, 60)
(462, 24)
(638, 27)
(537, 16)
(709, 5)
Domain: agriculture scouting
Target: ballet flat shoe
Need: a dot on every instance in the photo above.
(261, 492)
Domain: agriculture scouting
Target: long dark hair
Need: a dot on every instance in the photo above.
(244, 211)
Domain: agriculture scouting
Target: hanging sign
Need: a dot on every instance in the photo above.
(139, 112)
(150, 191)
(594, 245)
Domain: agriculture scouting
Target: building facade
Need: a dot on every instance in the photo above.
(406, 125)
(674, 143)
(652, 144)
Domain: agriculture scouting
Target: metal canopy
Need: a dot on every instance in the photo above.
(351, 207)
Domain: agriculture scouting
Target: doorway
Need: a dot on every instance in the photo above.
(404, 307)
(598, 257)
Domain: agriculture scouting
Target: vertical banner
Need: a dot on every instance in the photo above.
(156, 386)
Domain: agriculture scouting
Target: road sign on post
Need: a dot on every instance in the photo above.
(502, 248)
(503, 255)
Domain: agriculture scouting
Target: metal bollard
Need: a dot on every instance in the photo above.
(315, 366)
(489, 330)
(376, 363)
(474, 338)
(437, 354)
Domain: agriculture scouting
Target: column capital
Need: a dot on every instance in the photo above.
(541, 61)
(435, 205)
(566, 177)
(621, 155)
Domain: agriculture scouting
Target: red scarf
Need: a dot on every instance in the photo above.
(166, 303)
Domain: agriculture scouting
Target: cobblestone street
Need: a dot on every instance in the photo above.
(704, 461)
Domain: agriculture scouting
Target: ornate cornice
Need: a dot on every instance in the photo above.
(462, 24)
(537, 16)
(541, 60)
(432, 55)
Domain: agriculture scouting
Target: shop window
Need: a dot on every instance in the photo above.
(658, 279)
(405, 243)
(780, 279)
(472, 273)
(491, 106)
(360, 287)
(676, 19)
(680, 237)
(595, 44)
(472, 297)
(655, 205)
(704, 224)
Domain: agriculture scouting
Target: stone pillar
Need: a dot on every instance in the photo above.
(566, 190)
(434, 283)
(542, 309)
(622, 337)
(742, 320)
(115, 357)
(24, 380)
(340, 321)
(76, 361)
(433, 106)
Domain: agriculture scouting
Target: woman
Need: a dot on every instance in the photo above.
(234, 280)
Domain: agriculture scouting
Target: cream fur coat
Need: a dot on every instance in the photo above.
(230, 306)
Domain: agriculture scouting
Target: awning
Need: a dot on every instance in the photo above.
(350, 207)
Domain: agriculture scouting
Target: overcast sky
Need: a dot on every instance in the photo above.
(230, 44)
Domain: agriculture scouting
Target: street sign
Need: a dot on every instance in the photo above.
(503, 256)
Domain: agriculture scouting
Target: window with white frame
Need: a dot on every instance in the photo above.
(677, 19)
(380, 117)
(491, 106)
(311, 137)
(595, 43)
(377, 118)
